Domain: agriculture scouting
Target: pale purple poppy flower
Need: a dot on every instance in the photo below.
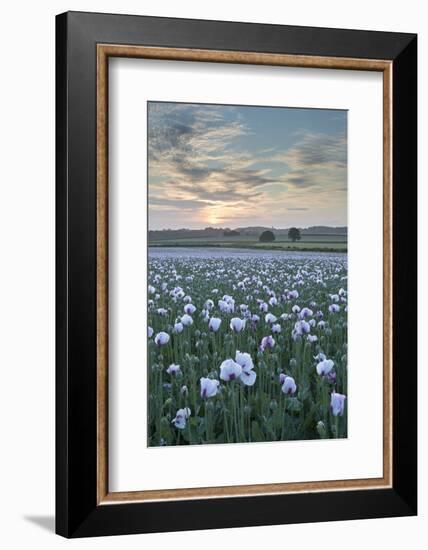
(230, 370)
(237, 324)
(178, 328)
(173, 369)
(276, 329)
(214, 324)
(302, 327)
(333, 308)
(312, 338)
(267, 342)
(248, 377)
(186, 320)
(306, 312)
(181, 417)
(337, 404)
(270, 318)
(150, 331)
(161, 338)
(209, 387)
(289, 386)
(189, 309)
(324, 367)
(244, 359)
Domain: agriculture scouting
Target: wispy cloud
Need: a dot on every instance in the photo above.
(205, 168)
(316, 160)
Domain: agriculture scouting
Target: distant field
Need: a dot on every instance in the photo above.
(338, 243)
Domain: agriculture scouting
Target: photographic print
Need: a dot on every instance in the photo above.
(247, 274)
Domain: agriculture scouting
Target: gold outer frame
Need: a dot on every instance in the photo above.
(104, 52)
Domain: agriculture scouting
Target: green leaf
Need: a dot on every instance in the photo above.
(256, 432)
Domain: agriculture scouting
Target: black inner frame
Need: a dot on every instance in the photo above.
(77, 513)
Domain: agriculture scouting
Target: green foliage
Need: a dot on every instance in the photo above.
(239, 413)
(294, 234)
(267, 237)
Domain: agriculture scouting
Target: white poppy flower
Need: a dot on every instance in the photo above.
(270, 318)
(337, 403)
(186, 320)
(324, 367)
(173, 369)
(248, 377)
(180, 418)
(302, 327)
(312, 338)
(244, 359)
(150, 332)
(214, 324)
(229, 370)
(289, 386)
(276, 329)
(273, 301)
(267, 342)
(189, 309)
(178, 328)
(306, 312)
(333, 308)
(209, 387)
(237, 324)
(295, 309)
(161, 338)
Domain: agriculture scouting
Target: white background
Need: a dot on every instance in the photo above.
(27, 274)
(133, 466)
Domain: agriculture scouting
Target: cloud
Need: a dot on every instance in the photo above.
(191, 150)
(202, 169)
(316, 160)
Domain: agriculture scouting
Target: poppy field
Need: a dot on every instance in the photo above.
(246, 347)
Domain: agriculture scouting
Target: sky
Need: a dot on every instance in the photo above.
(238, 166)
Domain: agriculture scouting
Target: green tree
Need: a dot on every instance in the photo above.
(267, 237)
(294, 234)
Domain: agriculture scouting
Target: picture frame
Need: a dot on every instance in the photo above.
(84, 44)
